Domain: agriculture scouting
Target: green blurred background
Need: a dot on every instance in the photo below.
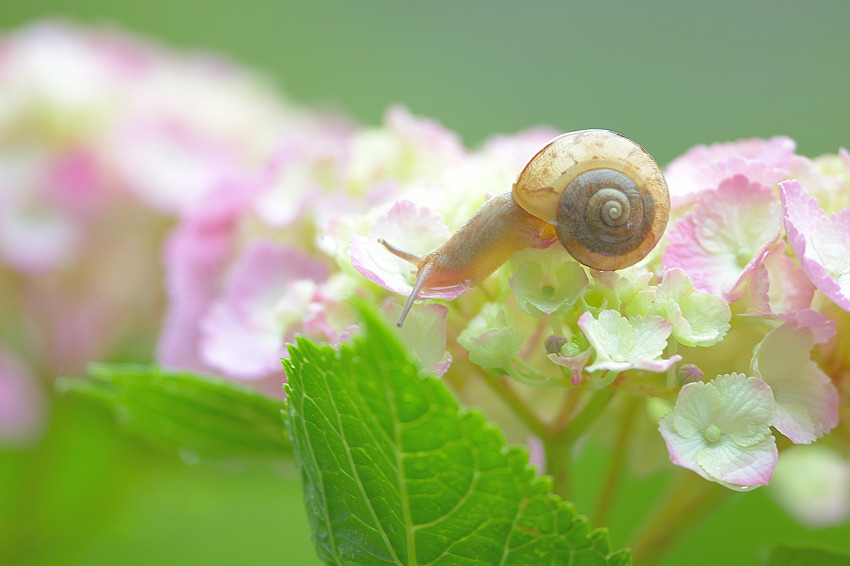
(669, 75)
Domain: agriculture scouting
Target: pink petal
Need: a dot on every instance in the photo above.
(575, 364)
(741, 470)
(266, 291)
(656, 366)
(196, 256)
(424, 332)
(821, 243)
(170, 167)
(806, 400)
(404, 224)
(705, 167)
(725, 237)
(778, 287)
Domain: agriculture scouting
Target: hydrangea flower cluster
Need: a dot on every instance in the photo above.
(737, 322)
(737, 319)
(105, 141)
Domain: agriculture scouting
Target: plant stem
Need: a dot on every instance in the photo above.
(561, 435)
(586, 416)
(502, 387)
(559, 463)
(689, 501)
(568, 404)
(617, 464)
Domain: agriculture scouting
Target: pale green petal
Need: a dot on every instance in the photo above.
(721, 430)
(707, 318)
(651, 333)
(736, 467)
(624, 343)
(698, 318)
(806, 399)
(695, 409)
(490, 340)
(546, 282)
(748, 407)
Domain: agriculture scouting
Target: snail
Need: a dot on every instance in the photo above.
(600, 193)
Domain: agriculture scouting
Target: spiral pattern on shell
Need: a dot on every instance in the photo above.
(605, 195)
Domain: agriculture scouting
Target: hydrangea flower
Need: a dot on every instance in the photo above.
(721, 430)
(724, 254)
(698, 318)
(725, 237)
(812, 483)
(624, 343)
(806, 399)
(545, 282)
(109, 138)
(820, 242)
(490, 338)
(703, 167)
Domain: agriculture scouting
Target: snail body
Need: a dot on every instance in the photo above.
(600, 193)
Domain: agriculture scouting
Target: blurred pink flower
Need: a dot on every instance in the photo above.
(196, 258)
(107, 138)
(704, 168)
(22, 404)
(263, 300)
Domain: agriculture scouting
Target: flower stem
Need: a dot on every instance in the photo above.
(559, 466)
(689, 500)
(617, 465)
(561, 435)
(502, 387)
(576, 426)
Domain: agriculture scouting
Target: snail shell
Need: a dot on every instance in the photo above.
(605, 195)
(602, 195)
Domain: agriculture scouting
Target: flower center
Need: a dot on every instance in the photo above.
(712, 434)
(547, 291)
(743, 257)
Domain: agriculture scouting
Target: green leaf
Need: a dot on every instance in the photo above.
(201, 416)
(805, 555)
(395, 472)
